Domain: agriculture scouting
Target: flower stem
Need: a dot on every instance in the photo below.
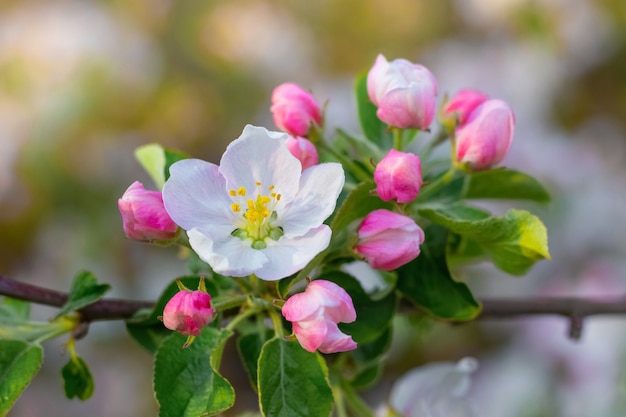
(277, 322)
(230, 303)
(239, 318)
(355, 402)
(397, 138)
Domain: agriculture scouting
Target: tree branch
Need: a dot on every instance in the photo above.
(576, 309)
(105, 309)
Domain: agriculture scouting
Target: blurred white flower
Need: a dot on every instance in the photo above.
(435, 390)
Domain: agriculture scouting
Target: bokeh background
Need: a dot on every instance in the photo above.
(84, 82)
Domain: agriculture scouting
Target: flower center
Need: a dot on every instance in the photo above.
(259, 215)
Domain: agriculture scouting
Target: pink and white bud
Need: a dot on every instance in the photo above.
(144, 216)
(463, 103)
(294, 109)
(484, 140)
(304, 150)
(315, 314)
(405, 93)
(398, 176)
(187, 312)
(388, 240)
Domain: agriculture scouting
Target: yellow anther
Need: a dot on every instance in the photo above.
(258, 183)
(236, 208)
(232, 193)
(241, 191)
(271, 187)
(278, 197)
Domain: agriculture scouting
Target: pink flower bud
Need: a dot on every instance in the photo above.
(187, 312)
(463, 104)
(144, 216)
(484, 140)
(388, 240)
(294, 109)
(405, 93)
(315, 313)
(304, 150)
(398, 176)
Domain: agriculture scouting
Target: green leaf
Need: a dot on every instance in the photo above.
(372, 317)
(13, 309)
(85, 290)
(249, 347)
(292, 382)
(427, 282)
(147, 329)
(368, 353)
(514, 241)
(77, 379)
(19, 363)
(152, 159)
(373, 128)
(505, 184)
(156, 160)
(185, 382)
(358, 203)
(367, 376)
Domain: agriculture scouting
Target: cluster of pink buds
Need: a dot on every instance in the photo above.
(484, 129)
(296, 112)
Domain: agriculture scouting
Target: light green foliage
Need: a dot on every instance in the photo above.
(514, 241)
(85, 290)
(505, 184)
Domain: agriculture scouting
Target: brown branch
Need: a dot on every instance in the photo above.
(105, 309)
(573, 308)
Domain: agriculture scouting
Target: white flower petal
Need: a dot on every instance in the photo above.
(195, 195)
(259, 155)
(226, 254)
(320, 186)
(434, 387)
(289, 255)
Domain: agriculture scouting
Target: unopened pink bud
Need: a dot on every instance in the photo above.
(404, 92)
(315, 314)
(463, 103)
(484, 140)
(388, 240)
(294, 109)
(144, 216)
(304, 150)
(187, 312)
(398, 176)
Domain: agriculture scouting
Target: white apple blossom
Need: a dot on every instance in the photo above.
(257, 212)
(435, 390)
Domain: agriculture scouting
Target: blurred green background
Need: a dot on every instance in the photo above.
(83, 83)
